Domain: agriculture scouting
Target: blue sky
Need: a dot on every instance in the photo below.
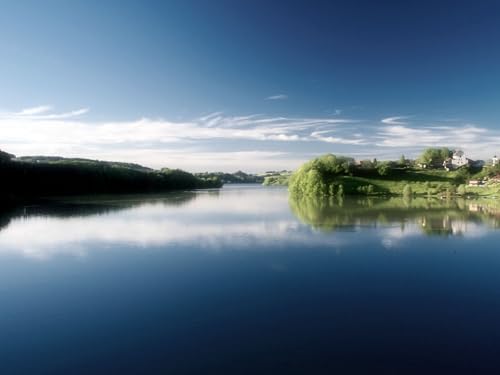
(254, 85)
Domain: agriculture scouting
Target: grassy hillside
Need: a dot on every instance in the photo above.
(277, 179)
(330, 175)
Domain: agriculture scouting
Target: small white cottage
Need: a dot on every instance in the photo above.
(457, 160)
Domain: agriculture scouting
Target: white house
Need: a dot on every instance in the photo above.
(494, 161)
(457, 160)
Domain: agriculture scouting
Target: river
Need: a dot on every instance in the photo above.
(246, 280)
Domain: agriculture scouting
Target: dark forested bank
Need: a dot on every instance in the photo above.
(38, 177)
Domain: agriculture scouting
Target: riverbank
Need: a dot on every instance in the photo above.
(331, 176)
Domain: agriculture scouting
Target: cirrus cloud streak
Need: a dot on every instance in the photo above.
(217, 141)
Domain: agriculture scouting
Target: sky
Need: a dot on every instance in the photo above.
(248, 85)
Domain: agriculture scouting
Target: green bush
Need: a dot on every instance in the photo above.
(315, 177)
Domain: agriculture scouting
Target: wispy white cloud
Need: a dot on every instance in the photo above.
(277, 97)
(322, 136)
(159, 142)
(217, 141)
(35, 110)
(477, 142)
(74, 113)
(405, 136)
(210, 115)
(41, 113)
(395, 120)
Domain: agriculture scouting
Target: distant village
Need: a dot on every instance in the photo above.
(457, 160)
(460, 159)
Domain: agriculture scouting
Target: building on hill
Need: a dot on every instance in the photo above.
(457, 160)
(494, 161)
(476, 183)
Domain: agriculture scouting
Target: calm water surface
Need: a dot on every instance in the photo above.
(244, 280)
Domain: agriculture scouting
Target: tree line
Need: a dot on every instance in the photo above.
(39, 177)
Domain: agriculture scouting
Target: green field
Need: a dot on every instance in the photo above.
(422, 182)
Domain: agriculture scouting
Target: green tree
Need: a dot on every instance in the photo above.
(316, 176)
(434, 157)
(383, 168)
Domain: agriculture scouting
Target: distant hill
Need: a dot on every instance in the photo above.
(5, 157)
(80, 161)
(238, 177)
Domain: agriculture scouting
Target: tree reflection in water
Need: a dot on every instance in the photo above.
(91, 205)
(433, 216)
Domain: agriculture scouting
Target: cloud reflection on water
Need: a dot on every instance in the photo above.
(235, 219)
